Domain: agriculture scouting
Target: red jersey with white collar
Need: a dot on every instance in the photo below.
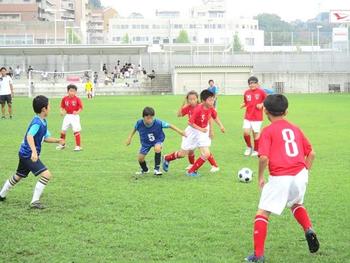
(71, 104)
(251, 99)
(201, 116)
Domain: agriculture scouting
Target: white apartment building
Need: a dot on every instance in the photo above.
(207, 24)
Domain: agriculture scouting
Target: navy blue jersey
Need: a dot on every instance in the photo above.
(38, 129)
(153, 134)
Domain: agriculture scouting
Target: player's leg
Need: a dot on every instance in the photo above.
(9, 105)
(214, 166)
(39, 170)
(246, 135)
(296, 200)
(171, 157)
(22, 172)
(65, 126)
(260, 232)
(256, 126)
(191, 157)
(11, 182)
(205, 153)
(142, 161)
(157, 158)
(2, 102)
(75, 122)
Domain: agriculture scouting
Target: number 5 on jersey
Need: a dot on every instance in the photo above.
(151, 137)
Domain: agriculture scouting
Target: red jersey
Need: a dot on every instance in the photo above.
(202, 115)
(286, 147)
(251, 99)
(188, 110)
(71, 104)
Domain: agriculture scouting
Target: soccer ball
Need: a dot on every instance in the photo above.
(245, 175)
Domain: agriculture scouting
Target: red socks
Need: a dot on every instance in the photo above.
(200, 161)
(191, 158)
(247, 141)
(77, 138)
(63, 136)
(212, 161)
(301, 216)
(260, 232)
(171, 157)
(256, 145)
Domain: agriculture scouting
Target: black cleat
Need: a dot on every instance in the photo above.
(37, 205)
(312, 241)
(2, 199)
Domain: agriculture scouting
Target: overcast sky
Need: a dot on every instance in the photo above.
(287, 9)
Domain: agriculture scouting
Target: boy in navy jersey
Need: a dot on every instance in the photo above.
(29, 153)
(151, 135)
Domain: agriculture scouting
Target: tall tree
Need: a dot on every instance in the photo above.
(125, 39)
(236, 45)
(95, 3)
(183, 37)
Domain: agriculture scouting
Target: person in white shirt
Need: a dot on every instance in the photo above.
(6, 92)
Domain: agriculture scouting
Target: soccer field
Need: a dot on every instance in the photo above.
(98, 212)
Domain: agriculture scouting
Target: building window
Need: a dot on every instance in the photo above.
(249, 41)
(209, 40)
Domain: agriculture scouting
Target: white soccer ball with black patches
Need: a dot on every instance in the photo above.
(245, 175)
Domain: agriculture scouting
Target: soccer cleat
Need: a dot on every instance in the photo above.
(248, 151)
(312, 241)
(188, 167)
(142, 172)
(2, 198)
(214, 169)
(253, 258)
(157, 172)
(254, 153)
(165, 165)
(77, 148)
(60, 147)
(37, 205)
(193, 174)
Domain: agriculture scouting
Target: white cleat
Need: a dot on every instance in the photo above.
(188, 167)
(254, 153)
(77, 148)
(248, 151)
(60, 147)
(157, 172)
(214, 169)
(142, 172)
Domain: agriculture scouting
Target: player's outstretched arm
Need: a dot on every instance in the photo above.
(54, 140)
(179, 112)
(263, 161)
(63, 111)
(211, 129)
(181, 132)
(242, 105)
(310, 159)
(128, 141)
(219, 123)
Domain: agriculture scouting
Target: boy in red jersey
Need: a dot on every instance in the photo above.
(198, 132)
(71, 106)
(289, 155)
(188, 107)
(253, 102)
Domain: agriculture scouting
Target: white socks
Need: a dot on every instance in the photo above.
(39, 188)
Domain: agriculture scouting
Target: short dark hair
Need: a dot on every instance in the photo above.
(253, 78)
(192, 92)
(72, 86)
(40, 102)
(2, 68)
(205, 94)
(148, 111)
(210, 81)
(276, 104)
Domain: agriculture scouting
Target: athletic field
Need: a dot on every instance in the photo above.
(98, 212)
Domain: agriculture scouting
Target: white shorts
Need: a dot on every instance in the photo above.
(71, 120)
(283, 191)
(195, 139)
(254, 125)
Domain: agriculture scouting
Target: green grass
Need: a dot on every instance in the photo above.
(98, 212)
